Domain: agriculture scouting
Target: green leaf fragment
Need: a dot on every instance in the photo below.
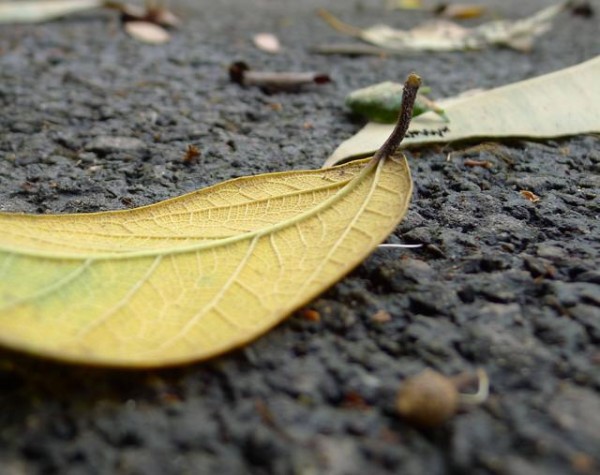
(381, 103)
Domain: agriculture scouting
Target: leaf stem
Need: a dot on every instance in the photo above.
(339, 25)
(409, 94)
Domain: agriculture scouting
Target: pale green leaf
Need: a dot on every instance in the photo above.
(563, 103)
(33, 11)
(381, 102)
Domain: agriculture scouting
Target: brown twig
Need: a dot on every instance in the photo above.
(409, 95)
(478, 163)
(240, 72)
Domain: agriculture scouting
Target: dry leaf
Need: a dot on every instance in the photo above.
(443, 35)
(147, 32)
(191, 154)
(552, 105)
(39, 11)
(194, 276)
(461, 11)
(267, 42)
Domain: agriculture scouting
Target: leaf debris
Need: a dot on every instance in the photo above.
(191, 155)
(267, 42)
(443, 35)
(529, 195)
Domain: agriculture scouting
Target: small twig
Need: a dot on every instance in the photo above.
(409, 95)
(478, 163)
(339, 25)
(240, 72)
(351, 49)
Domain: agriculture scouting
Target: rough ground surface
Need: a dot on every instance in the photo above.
(502, 283)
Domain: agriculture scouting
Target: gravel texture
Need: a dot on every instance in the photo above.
(92, 120)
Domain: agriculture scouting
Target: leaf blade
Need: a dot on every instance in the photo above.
(173, 304)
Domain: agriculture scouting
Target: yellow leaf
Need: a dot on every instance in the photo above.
(194, 276)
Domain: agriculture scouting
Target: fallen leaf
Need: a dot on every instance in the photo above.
(194, 276)
(404, 4)
(267, 42)
(460, 11)
(442, 35)
(240, 72)
(552, 105)
(381, 102)
(40, 11)
(147, 24)
(151, 13)
(147, 32)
